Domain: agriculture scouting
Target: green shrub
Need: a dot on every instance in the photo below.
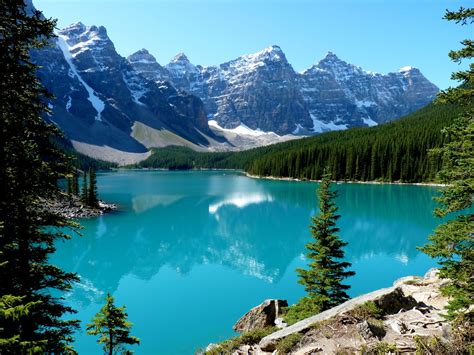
(367, 310)
(254, 336)
(383, 348)
(226, 347)
(249, 338)
(286, 344)
(304, 308)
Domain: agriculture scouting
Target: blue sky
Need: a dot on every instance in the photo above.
(378, 35)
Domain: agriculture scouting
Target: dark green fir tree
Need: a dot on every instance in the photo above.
(69, 187)
(110, 324)
(84, 189)
(323, 279)
(453, 241)
(92, 199)
(31, 308)
(75, 183)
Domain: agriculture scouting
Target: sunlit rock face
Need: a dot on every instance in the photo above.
(262, 91)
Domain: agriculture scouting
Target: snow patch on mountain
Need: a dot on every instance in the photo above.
(299, 129)
(242, 130)
(96, 102)
(369, 122)
(135, 85)
(320, 127)
(69, 103)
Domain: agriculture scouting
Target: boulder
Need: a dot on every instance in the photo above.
(395, 301)
(261, 316)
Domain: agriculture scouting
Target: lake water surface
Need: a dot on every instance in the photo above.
(190, 252)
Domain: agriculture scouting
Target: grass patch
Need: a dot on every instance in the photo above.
(249, 338)
(286, 344)
(304, 308)
(254, 336)
(367, 311)
(412, 282)
(381, 348)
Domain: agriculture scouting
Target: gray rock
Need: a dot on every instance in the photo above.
(365, 331)
(432, 273)
(261, 316)
(397, 325)
(395, 301)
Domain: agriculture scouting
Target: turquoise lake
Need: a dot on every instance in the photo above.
(188, 253)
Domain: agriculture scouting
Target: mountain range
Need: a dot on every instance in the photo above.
(263, 91)
(117, 109)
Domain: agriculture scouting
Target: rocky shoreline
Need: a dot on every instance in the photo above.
(73, 207)
(390, 320)
(346, 181)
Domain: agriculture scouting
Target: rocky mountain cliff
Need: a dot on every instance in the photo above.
(340, 95)
(105, 107)
(262, 91)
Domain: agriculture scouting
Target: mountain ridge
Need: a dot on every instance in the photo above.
(263, 91)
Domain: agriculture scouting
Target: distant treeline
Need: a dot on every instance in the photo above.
(396, 151)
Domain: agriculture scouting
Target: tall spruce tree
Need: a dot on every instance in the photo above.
(69, 187)
(84, 189)
(453, 242)
(31, 309)
(112, 327)
(323, 280)
(75, 183)
(92, 199)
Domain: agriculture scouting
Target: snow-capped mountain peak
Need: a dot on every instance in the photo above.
(180, 65)
(267, 55)
(330, 56)
(145, 63)
(340, 68)
(405, 69)
(180, 58)
(81, 38)
(142, 56)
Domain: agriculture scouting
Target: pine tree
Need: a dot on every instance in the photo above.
(323, 279)
(453, 242)
(75, 183)
(112, 327)
(92, 199)
(69, 181)
(84, 190)
(31, 308)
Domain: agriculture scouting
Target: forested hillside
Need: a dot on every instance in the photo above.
(397, 151)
